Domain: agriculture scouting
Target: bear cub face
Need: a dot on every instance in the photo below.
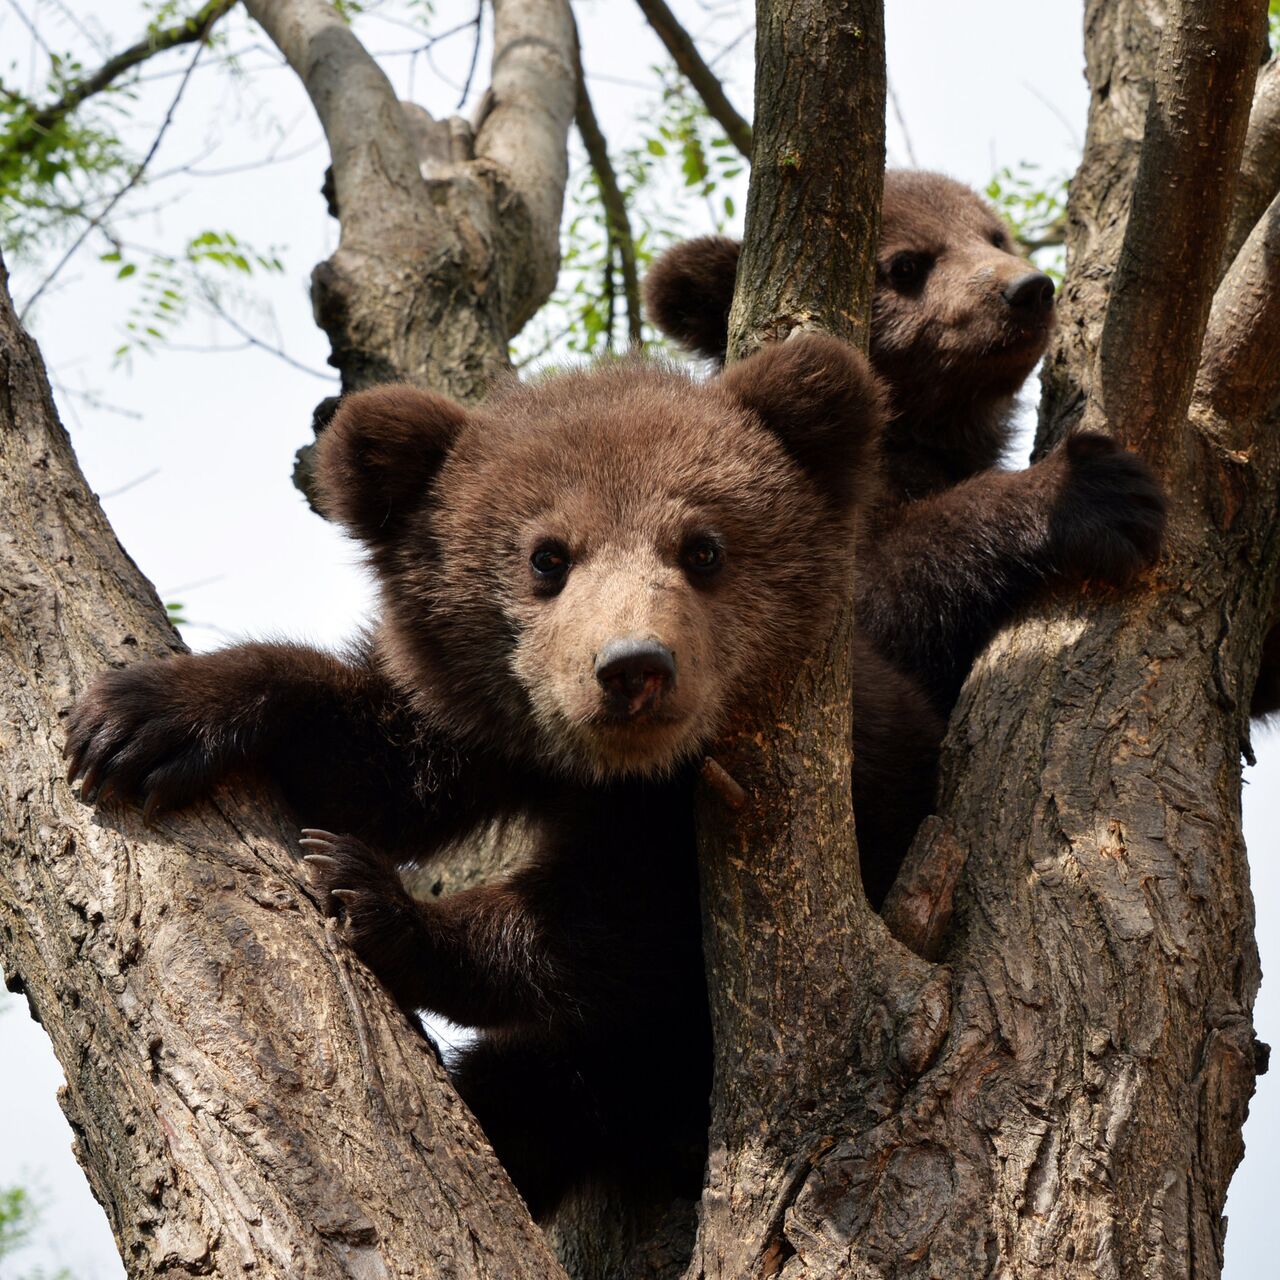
(956, 313)
(958, 319)
(643, 550)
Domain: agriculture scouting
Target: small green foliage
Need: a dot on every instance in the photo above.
(167, 284)
(684, 148)
(53, 171)
(19, 1217)
(1035, 207)
(174, 608)
(1273, 25)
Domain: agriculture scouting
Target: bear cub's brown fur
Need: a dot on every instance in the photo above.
(953, 546)
(577, 581)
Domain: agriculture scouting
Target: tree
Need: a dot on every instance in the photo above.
(1061, 1094)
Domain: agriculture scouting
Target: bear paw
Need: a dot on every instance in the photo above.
(131, 738)
(362, 890)
(1108, 521)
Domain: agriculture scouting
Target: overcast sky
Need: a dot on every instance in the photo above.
(196, 445)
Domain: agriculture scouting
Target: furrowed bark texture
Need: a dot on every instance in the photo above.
(798, 967)
(247, 1101)
(450, 230)
(813, 208)
(1101, 1056)
(1120, 41)
(1062, 1098)
(1259, 177)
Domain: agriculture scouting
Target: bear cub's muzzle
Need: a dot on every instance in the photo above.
(636, 673)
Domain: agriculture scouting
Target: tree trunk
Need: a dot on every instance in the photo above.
(246, 1100)
(1063, 1095)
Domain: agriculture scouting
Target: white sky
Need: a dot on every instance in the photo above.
(219, 527)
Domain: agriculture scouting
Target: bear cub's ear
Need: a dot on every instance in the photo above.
(688, 292)
(376, 460)
(820, 398)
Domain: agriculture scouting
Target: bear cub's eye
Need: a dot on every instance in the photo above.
(907, 269)
(702, 555)
(1000, 239)
(550, 561)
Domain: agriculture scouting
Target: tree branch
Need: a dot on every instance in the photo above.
(614, 202)
(1160, 295)
(248, 1102)
(523, 129)
(1239, 374)
(1259, 176)
(681, 47)
(195, 28)
(375, 168)
(816, 1011)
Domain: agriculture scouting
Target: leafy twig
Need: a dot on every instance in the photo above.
(691, 63)
(134, 178)
(194, 29)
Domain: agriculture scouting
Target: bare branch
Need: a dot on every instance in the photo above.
(1161, 294)
(525, 122)
(681, 47)
(195, 28)
(1240, 369)
(374, 166)
(615, 203)
(1259, 177)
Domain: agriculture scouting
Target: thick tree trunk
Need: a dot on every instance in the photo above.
(796, 960)
(1063, 1096)
(246, 1100)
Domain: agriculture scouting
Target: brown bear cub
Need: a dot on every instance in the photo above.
(953, 546)
(578, 580)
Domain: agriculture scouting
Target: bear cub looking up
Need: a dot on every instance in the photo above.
(954, 546)
(577, 581)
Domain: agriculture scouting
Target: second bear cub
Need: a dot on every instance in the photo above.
(954, 545)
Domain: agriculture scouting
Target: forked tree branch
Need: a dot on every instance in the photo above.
(526, 120)
(193, 29)
(1259, 177)
(1160, 295)
(450, 235)
(614, 202)
(694, 68)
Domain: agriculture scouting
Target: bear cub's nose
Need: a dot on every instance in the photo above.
(1031, 291)
(635, 673)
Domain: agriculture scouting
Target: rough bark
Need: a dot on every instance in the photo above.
(1120, 41)
(1063, 1097)
(246, 1100)
(797, 964)
(1259, 177)
(446, 251)
(813, 206)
